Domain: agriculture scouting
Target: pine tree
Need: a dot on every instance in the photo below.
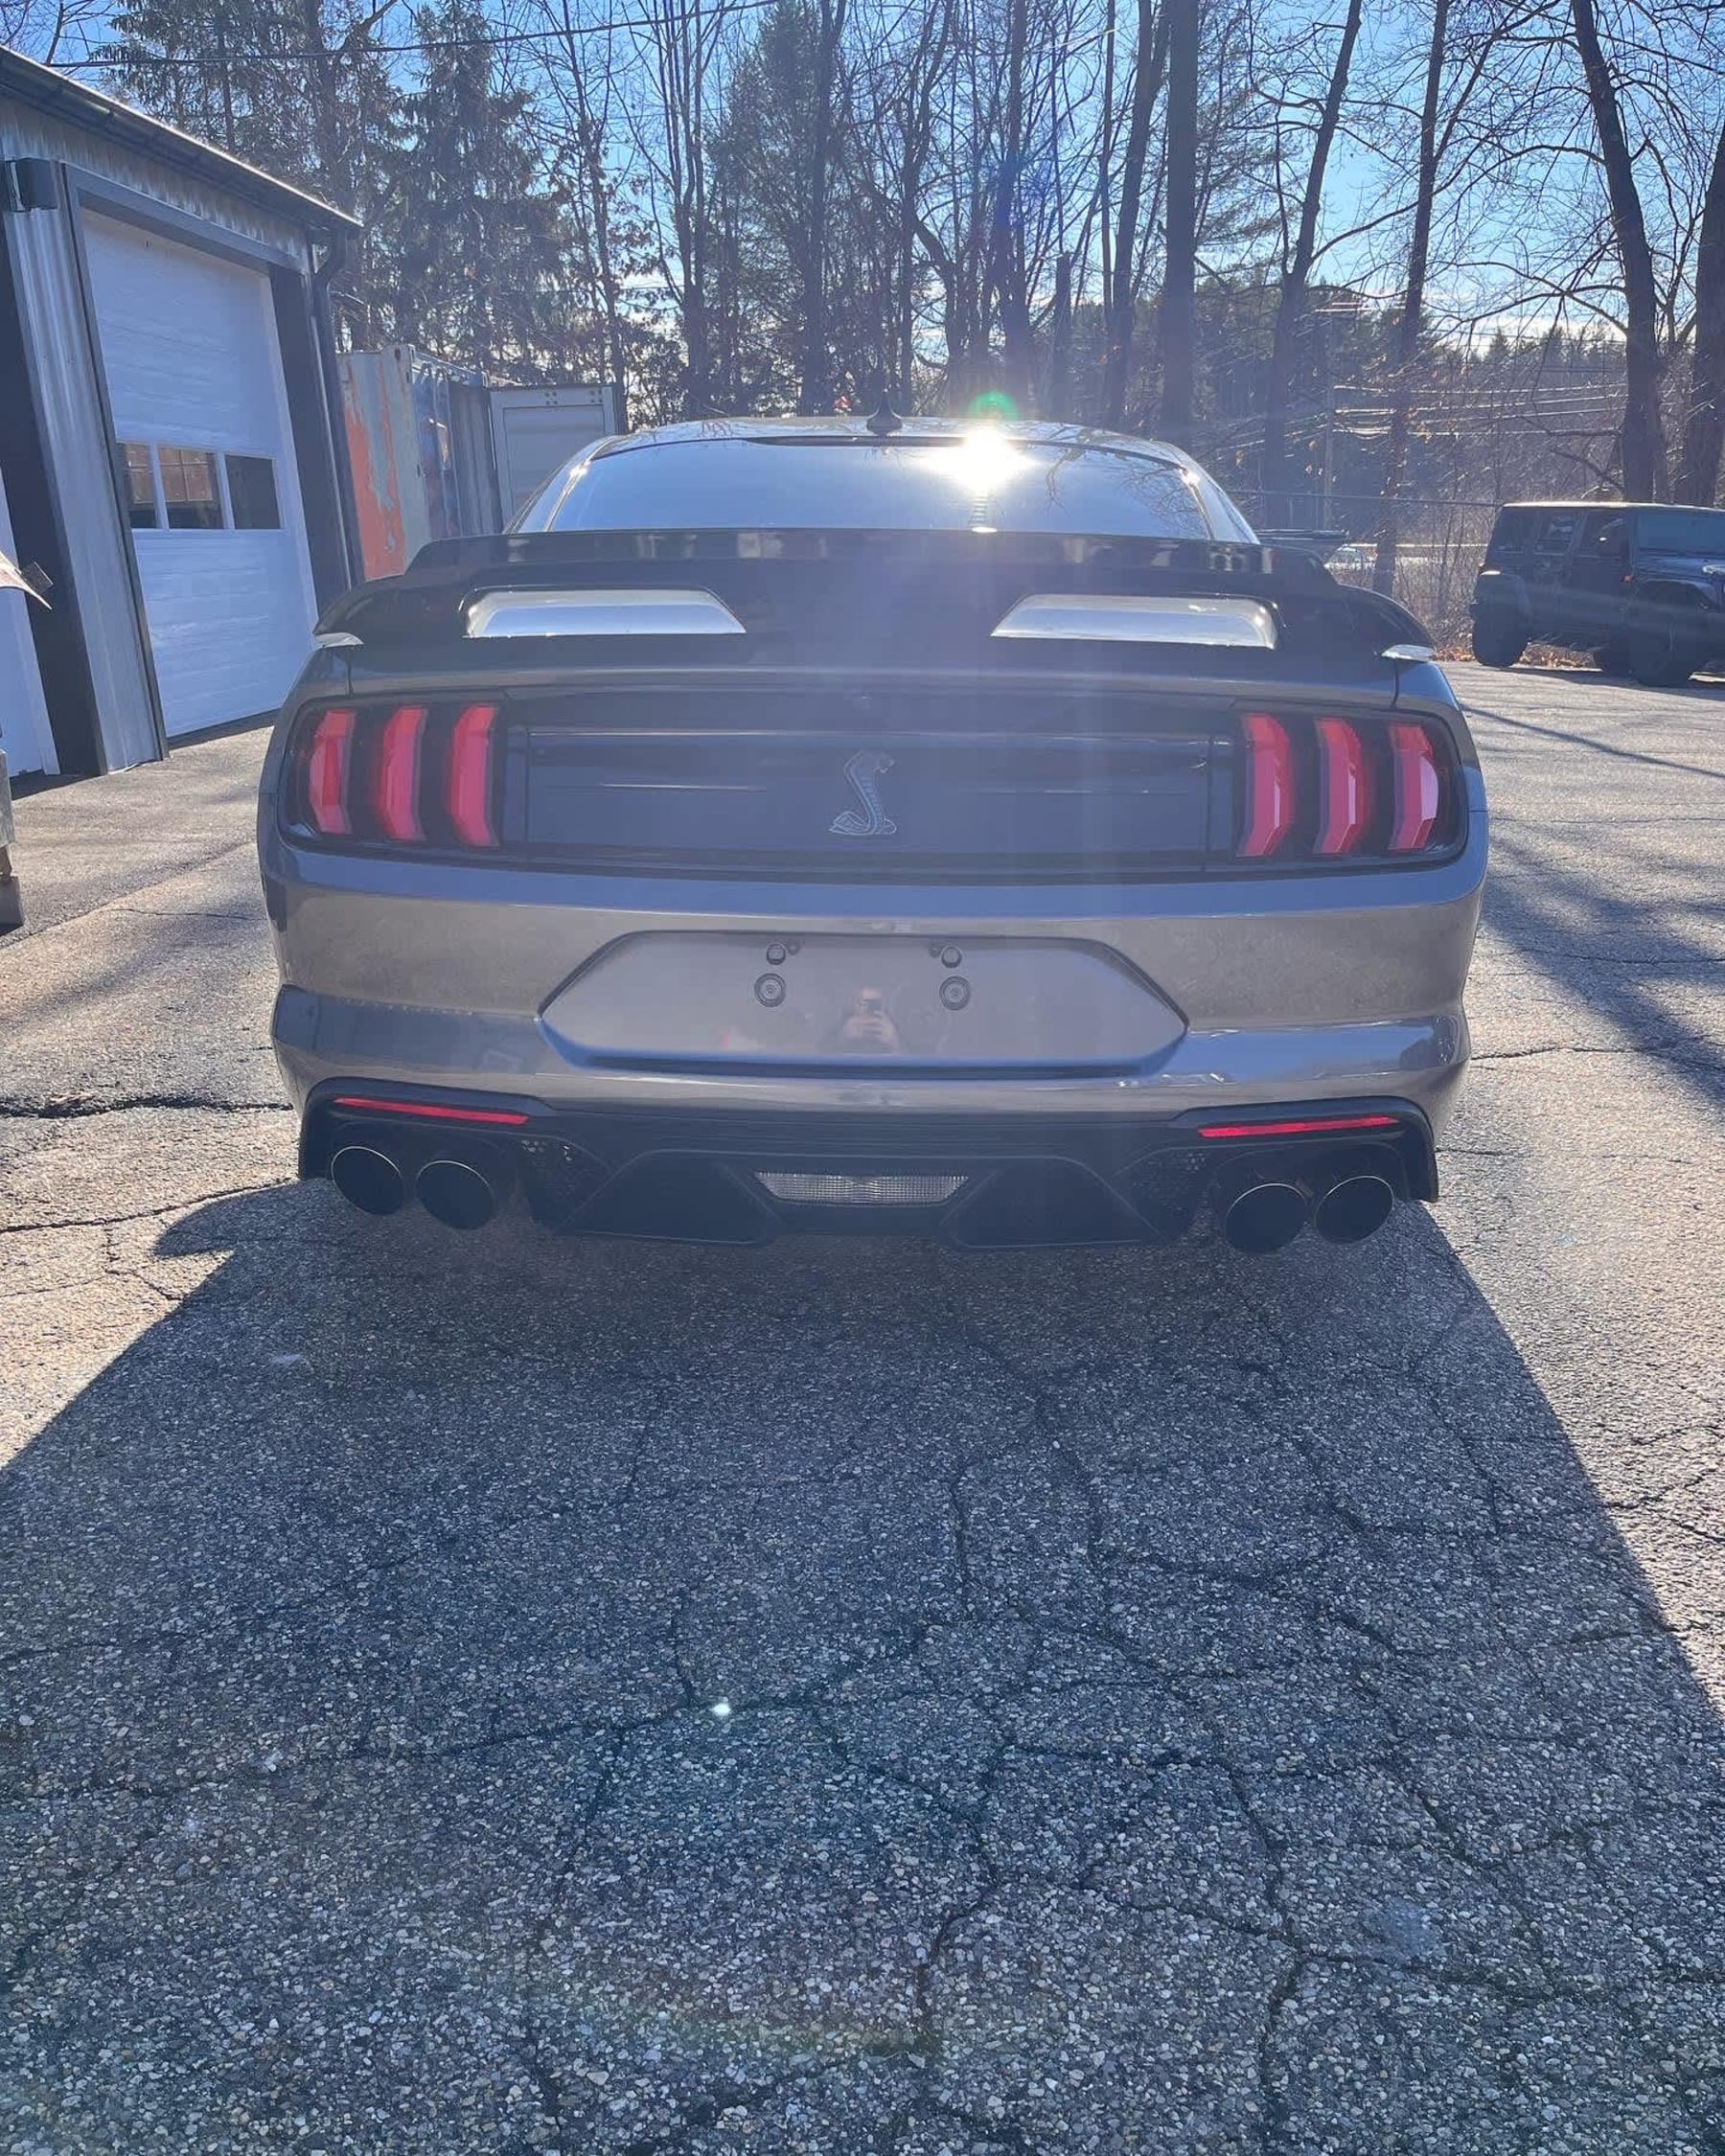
(482, 236)
(301, 88)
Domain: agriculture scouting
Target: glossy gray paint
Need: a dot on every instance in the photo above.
(1222, 991)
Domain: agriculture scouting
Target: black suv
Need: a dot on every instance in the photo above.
(1639, 585)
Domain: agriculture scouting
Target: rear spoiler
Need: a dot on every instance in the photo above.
(911, 597)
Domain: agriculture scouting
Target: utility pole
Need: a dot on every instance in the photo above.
(1180, 276)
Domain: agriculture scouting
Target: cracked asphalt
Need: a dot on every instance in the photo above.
(508, 1695)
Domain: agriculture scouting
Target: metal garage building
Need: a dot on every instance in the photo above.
(167, 458)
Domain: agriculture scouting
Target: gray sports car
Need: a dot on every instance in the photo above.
(806, 825)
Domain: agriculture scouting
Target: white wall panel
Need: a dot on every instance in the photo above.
(188, 345)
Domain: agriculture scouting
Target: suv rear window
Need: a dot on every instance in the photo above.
(1557, 534)
(1514, 530)
(1682, 530)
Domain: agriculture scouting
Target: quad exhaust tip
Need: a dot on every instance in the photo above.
(460, 1189)
(368, 1179)
(1263, 1209)
(1265, 1215)
(456, 1192)
(1354, 1208)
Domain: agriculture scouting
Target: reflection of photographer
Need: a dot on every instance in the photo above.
(867, 1027)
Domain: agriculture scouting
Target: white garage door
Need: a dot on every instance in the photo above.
(194, 379)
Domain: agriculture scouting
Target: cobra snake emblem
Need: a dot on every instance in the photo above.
(872, 822)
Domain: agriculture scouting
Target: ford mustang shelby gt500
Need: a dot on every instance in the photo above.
(834, 823)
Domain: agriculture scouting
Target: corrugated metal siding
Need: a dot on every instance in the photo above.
(28, 133)
(79, 457)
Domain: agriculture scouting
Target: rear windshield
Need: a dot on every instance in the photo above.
(1682, 530)
(983, 482)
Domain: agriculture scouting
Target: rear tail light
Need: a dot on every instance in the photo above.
(1268, 784)
(470, 775)
(1342, 789)
(1418, 787)
(407, 774)
(397, 792)
(1345, 784)
(328, 767)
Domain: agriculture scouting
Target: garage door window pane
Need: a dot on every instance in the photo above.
(252, 494)
(189, 489)
(140, 486)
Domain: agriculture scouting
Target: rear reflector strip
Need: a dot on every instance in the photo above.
(431, 1111)
(1346, 785)
(1303, 1127)
(471, 775)
(1417, 793)
(1268, 784)
(327, 770)
(395, 792)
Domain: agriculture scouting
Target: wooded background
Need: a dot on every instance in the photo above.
(1381, 266)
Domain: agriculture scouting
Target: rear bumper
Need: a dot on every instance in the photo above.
(741, 1177)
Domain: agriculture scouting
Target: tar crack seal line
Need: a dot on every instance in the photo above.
(872, 822)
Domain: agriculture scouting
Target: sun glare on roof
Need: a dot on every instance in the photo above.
(979, 466)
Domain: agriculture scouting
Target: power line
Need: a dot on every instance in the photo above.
(123, 56)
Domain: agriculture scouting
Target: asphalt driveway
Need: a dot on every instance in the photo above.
(505, 1694)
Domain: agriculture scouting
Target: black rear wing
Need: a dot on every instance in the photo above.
(825, 597)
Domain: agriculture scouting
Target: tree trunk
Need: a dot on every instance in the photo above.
(1704, 432)
(1290, 305)
(814, 392)
(1643, 452)
(1007, 251)
(1413, 307)
(1177, 316)
(1119, 306)
(1059, 394)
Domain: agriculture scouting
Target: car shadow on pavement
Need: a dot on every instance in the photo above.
(497, 1693)
(1642, 953)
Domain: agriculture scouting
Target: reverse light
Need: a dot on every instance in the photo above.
(1268, 784)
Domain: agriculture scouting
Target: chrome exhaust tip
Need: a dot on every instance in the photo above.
(1263, 1215)
(368, 1179)
(1354, 1208)
(457, 1192)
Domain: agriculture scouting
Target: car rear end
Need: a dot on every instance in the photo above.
(1014, 887)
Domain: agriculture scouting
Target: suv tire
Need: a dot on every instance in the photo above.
(1498, 639)
(1660, 660)
(1612, 659)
